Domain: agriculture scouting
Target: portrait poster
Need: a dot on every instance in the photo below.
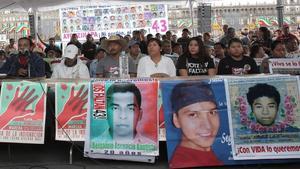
(285, 66)
(122, 120)
(71, 110)
(264, 117)
(180, 94)
(104, 21)
(162, 127)
(23, 112)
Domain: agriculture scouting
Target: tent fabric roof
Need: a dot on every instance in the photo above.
(44, 5)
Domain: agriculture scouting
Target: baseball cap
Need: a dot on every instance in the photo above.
(71, 51)
(133, 42)
(190, 92)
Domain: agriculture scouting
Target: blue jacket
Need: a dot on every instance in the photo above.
(36, 65)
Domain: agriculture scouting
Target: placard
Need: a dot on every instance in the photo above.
(71, 109)
(122, 120)
(196, 123)
(264, 117)
(100, 21)
(23, 112)
(285, 66)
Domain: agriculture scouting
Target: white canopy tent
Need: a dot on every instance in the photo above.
(44, 5)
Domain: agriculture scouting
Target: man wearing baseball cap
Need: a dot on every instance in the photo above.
(71, 66)
(135, 51)
(195, 113)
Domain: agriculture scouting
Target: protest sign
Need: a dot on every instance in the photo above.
(71, 109)
(264, 117)
(285, 66)
(22, 112)
(122, 120)
(195, 134)
(104, 21)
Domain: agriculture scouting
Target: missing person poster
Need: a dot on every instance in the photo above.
(162, 127)
(104, 21)
(22, 112)
(264, 117)
(196, 135)
(122, 120)
(71, 110)
(285, 66)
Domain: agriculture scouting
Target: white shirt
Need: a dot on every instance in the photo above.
(79, 71)
(147, 67)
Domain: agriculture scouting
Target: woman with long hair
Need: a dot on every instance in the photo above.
(195, 61)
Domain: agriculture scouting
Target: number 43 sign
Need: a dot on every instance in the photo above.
(159, 26)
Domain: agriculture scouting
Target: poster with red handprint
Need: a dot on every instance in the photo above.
(22, 112)
(71, 108)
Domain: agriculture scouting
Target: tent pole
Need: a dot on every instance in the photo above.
(192, 16)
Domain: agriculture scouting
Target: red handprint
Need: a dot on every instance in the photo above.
(17, 107)
(73, 107)
(39, 109)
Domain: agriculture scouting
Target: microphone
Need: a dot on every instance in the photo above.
(24, 52)
(23, 58)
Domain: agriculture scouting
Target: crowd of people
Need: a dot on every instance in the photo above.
(151, 55)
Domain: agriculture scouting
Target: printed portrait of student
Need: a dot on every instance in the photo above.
(124, 113)
(264, 101)
(195, 114)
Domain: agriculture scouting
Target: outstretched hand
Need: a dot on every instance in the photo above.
(18, 105)
(74, 107)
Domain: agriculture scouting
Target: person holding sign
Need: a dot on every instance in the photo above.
(195, 113)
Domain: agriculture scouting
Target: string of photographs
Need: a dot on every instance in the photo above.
(104, 21)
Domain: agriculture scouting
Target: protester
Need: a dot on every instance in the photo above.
(100, 54)
(71, 66)
(89, 47)
(292, 46)
(108, 67)
(51, 47)
(134, 51)
(25, 64)
(228, 36)
(264, 39)
(196, 60)
(207, 39)
(10, 48)
(236, 63)
(74, 41)
(155, 64)
(184, 39)
(278, 50)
